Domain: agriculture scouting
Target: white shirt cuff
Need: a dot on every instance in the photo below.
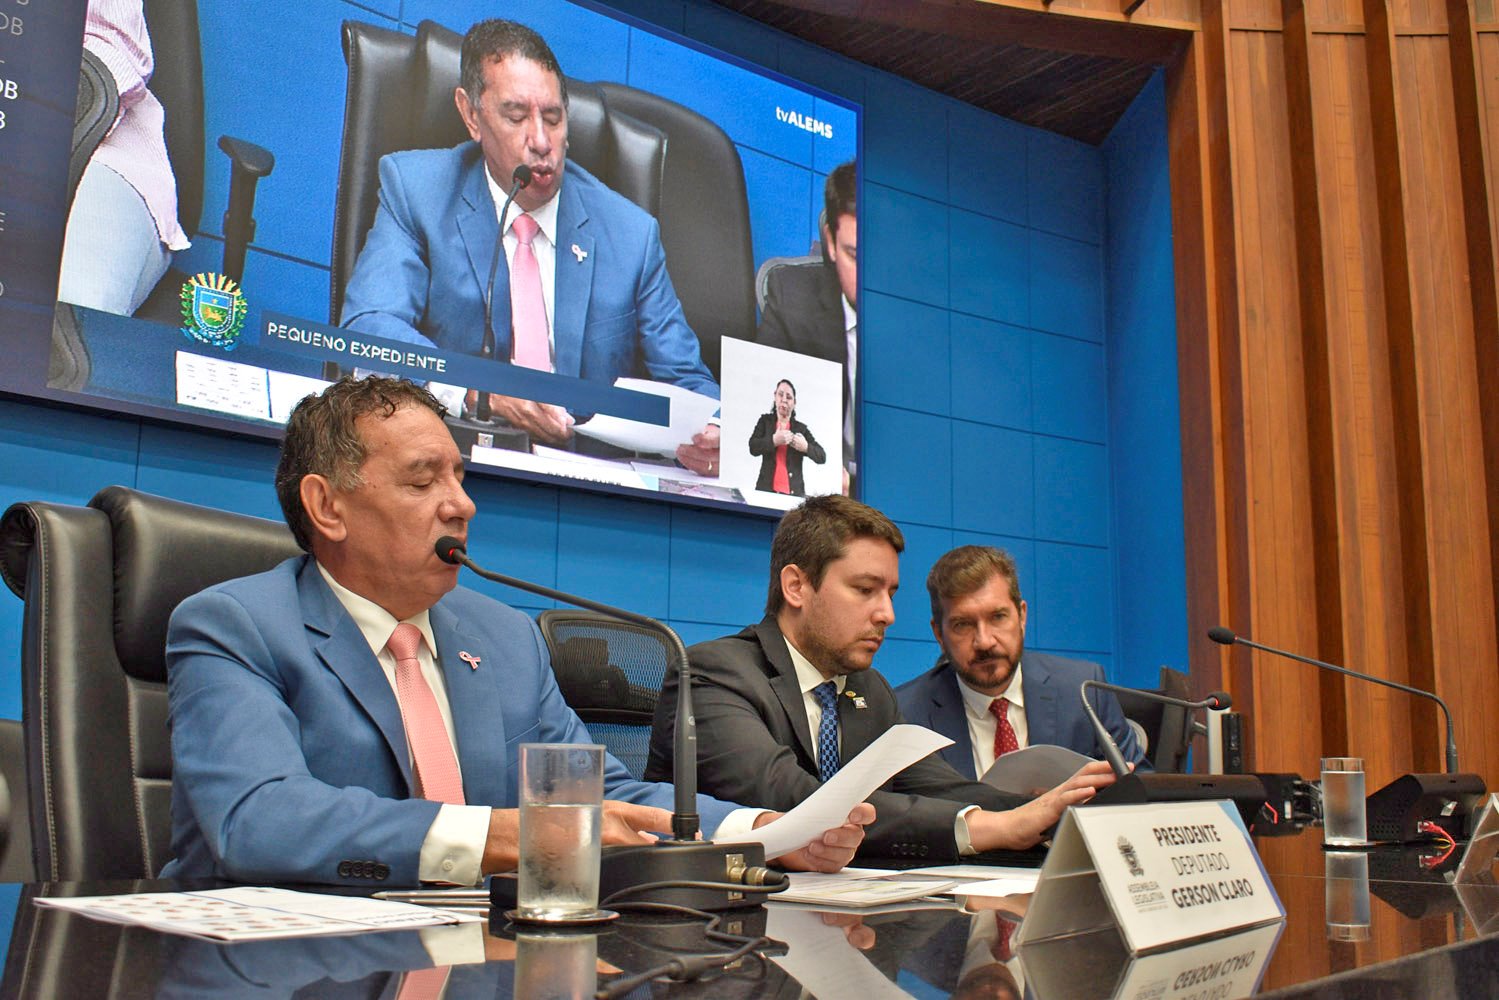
(960, 832)
(453, 849)
(454, 944)
(736, 824)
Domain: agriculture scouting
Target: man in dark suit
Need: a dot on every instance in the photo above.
(811, 308)
(781, 704)
(979, 620)
(354, 716)
(586, 281)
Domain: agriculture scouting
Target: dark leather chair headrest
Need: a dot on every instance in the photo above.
(164, 552)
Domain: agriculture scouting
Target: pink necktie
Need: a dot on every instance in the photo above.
(528, 314)
(424, 984)
(431, 750)
(1004, 733)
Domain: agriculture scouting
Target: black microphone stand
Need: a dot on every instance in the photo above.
(1227, 637)
(683, 870)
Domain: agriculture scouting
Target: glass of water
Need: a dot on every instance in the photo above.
(561, 806)
(1343, 821)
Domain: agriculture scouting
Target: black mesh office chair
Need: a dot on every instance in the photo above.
(669, 160)
(100, 583)
(610, 673)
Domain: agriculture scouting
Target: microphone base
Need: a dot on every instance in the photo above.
(1246, 791)
(1451, 801)
(675, 861)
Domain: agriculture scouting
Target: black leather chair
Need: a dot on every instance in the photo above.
(669, 160)
(177, 83)
(16, 863)
(610, 673)
(100, 583)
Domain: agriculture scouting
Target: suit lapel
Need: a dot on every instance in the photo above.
(478, 225)
(859, 726)
(473, 699)
(345, 652)
(574, 279)
(783, 682)
(1040, 701)
(950, 717)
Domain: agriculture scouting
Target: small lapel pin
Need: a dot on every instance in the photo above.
(579, 252)
(470, 659)
(858, 699)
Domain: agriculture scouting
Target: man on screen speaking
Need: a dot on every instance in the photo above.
(583, 289)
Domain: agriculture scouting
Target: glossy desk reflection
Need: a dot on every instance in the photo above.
(1421, 939)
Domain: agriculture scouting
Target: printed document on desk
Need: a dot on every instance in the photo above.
(250, 913)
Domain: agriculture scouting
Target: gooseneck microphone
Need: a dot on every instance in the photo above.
(1111, 752)
(519, 179)
(684, 821)
(1227, 637)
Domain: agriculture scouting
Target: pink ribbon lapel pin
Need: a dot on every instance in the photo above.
(470, 659)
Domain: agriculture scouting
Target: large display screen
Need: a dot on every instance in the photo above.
(209, 210)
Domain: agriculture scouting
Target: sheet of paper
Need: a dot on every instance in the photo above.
(822, 960)
(897, 748)
(978, 873)
(1033, 769)
(841, 890)
(996, 886)
(593, 470)
(248, 913)
(222, 386)
(690, 412)
(287, 390)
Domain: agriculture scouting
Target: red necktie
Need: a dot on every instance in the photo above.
(1004, 733)
(431, 750)
(1001, 948)
(528, 313)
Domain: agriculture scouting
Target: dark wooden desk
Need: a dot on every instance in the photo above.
(1415, 937)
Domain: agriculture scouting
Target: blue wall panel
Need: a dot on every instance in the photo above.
(912, 608)
(988, 264)
(1069, 387)
(906, 360)
(1146, 443)
(991, 372)
(994, 486)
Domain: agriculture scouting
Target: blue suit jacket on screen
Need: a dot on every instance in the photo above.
(288, 752)
(1053, 712)
(422, 274)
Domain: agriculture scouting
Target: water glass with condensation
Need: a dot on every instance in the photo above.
(561, 807)
(1343, 821)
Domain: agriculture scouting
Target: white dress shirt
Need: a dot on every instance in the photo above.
(982, 725)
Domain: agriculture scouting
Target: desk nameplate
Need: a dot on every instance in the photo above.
(1162, 873)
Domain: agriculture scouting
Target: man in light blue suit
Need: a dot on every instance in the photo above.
(610, 309)
(978, 618)
(294, 756)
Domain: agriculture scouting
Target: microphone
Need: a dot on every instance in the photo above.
(684, 821)
(1111, 752)
(519, 179)
(1227, 637)
(681, 870)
